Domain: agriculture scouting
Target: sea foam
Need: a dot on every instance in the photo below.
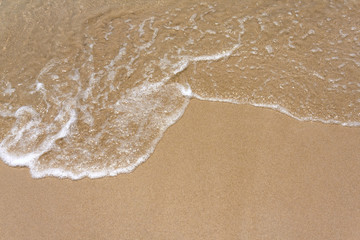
(101, 108)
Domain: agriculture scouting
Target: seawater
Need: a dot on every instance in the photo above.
(87, 88)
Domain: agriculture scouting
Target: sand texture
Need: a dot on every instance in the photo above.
(223, 171)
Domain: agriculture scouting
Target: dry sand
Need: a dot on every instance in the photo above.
(223, 171)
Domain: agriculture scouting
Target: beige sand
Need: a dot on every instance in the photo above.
(223, 171)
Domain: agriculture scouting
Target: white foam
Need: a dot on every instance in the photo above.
(28, 159)
(76, 75)
(186, 90)
(96, 172)
(217, 56)
(111, 28)
(141, 26)
(18, 160)
(269, 48)
(317, 49)
(290, 42)
(282, 110)
(342, 34)
(181, 66)
(185, 60)
(192, 18)
(138, 103)
(316, 74)
(6, 113)
(40, 86)
(54, 77)
(8, 90)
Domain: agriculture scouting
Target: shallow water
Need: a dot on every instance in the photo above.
(87, 88)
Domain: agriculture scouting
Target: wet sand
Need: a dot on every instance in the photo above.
(223, 171)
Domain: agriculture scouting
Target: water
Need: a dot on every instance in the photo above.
(87, 88)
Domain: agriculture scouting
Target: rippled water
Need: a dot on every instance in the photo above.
(87, 88)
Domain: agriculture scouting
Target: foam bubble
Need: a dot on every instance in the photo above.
(186, 90)
(269, 49)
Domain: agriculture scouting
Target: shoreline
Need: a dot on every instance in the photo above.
(223, 171)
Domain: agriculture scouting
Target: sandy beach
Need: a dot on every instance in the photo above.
(223, 171)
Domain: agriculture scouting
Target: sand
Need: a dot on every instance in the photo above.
(223, 171)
